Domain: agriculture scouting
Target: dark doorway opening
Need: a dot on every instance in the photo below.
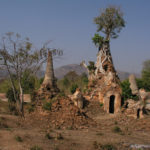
(138, 113)
(111, 104)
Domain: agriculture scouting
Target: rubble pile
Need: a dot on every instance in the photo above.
(63, 114)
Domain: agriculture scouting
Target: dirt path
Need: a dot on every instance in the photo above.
(117, 131)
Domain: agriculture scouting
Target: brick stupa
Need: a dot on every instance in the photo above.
(48, 88)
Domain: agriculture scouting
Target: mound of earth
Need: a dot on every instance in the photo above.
(63, 114)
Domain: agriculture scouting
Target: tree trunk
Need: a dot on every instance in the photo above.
(12, 83)
(103, 56)
(21, 100)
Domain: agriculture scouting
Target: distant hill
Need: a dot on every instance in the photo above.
(62, 71)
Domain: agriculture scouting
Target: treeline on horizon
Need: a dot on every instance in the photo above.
(72, 80)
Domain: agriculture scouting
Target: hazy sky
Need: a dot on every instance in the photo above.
(69, 24)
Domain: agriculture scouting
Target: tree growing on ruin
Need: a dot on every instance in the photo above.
(17, 56)
(109, 24)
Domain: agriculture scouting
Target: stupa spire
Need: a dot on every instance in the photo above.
(49, 74)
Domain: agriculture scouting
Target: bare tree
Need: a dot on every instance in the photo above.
(18, 55)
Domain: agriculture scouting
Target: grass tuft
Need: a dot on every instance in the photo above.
(35, 147)
(18, 139)
(116, 129)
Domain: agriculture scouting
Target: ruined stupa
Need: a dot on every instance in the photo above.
(110, 90)
(48, 88)
(104, 83)
(140, 107)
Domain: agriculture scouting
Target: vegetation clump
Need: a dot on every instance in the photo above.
(36, 148)
(71, 81)
(108, 147)
(48, 136)
(31, 108)
(117, 129)
(47, 105)
(73, 88)
(18, 139)
(99, 146)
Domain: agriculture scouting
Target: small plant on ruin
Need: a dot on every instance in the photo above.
(101, 104)
(117, 129)
(91, 66)
(47, 106)
(18, 139)
(73, 88)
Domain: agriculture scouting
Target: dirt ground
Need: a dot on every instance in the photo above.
(113, 132)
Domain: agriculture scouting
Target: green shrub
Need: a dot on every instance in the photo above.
(28, 82)
(101, 104)
(5, 85)
(47, 105)
(47, 135)
(41, 80)
(62, 94)
(70, 79)
(66, 82)
(143, 84)
(126, 91)
(73, 88)
(10, 95)
(99, 146)
(18, 139)
(31, 108)
(107, 147)
(116, 129)
(115, 122)
(36, 148)
(91, 66)
(84, 78)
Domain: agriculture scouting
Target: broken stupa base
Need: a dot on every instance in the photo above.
(47, 91)
(107, 91)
